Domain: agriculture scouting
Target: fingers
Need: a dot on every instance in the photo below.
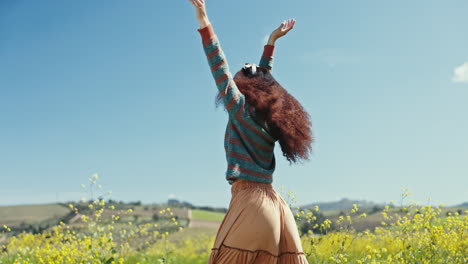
(293, 22)
(200, 3)
(289, 24)
(197, 3)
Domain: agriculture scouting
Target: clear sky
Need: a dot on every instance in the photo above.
(123, 89)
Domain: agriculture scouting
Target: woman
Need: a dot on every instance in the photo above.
(259, 226)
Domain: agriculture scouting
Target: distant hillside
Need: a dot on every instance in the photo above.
(343, 204)
(465, 204)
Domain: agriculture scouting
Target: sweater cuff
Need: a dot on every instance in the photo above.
(268, 50)
(206, 33)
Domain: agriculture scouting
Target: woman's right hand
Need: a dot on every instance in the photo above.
(200, 12)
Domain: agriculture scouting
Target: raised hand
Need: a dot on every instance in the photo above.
(200, 12)
(282, 30)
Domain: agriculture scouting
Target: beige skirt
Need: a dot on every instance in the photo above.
(259, 227)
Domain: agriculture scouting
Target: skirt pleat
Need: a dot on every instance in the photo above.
(259, 227)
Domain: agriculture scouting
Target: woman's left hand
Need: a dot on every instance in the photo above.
(282, 30)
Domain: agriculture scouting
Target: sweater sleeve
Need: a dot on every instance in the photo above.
(233, 99)
(267, 57)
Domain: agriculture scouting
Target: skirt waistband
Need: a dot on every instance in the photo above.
(241, 184)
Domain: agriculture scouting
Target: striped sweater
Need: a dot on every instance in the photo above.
(247, 142)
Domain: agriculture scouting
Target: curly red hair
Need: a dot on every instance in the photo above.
(287, 120)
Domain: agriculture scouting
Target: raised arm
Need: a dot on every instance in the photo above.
(267, 57)
(233, 99)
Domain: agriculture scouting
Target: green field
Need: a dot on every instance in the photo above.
(207, 215)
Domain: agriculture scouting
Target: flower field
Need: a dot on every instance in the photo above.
(105, 234)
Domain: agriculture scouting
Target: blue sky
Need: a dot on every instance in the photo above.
(123, 89)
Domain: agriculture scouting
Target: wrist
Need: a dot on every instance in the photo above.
(204, 21)
(271, 41)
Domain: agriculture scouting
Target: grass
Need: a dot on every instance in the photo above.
(206, 215)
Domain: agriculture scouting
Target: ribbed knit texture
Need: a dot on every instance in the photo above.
(248, 144)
